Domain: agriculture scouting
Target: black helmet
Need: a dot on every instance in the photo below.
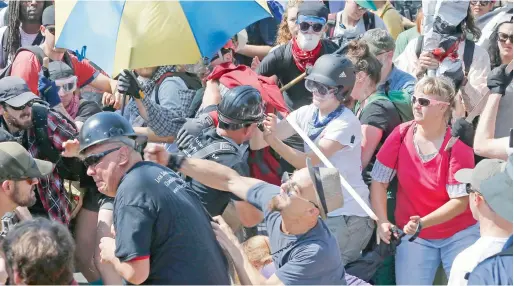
(333, 70)
(105, 126)
(240, 107)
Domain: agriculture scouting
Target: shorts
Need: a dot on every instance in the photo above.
(95, 201)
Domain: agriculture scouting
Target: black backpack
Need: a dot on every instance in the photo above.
(39, 53)
(37, 41)
(469, 50)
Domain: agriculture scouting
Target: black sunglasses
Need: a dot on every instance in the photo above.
(481, 3)
(316, 27)
(19, 108)
(502, 37)
(470, 189)
(51, 30)
(286, 179)
(93, 159)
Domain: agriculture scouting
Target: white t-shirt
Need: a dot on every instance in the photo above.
(351, 33)
(469, 258)
(26, 40)
(345, 129)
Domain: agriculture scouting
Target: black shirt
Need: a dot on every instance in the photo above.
(156, 218)
(87, 109)
(383, 115)
(280, 62)
(216, 201)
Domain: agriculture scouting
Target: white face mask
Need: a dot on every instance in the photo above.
(307, 42)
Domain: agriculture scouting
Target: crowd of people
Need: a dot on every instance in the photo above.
(315, 148)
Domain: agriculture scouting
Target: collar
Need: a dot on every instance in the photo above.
(390, 78)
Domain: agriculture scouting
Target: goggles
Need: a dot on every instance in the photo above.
(320, 89)
(67, 85)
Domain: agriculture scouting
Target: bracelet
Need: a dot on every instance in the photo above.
(416, 234)
(175, 161)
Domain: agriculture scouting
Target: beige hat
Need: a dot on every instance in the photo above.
(329, 195)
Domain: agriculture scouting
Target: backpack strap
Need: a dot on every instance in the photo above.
(5, 55)
(371, 21)
(365, 18)
(419, 45)
(191, 80)
(216, 147)
(331, 22)
(469, 49)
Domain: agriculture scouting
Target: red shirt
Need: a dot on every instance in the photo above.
(27, 67)
(422, 185)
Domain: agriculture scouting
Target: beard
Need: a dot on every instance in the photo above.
(23, 122)
(31, 16)
(23, 201)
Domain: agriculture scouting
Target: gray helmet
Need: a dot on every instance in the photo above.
(240, 107)
(333, 70)
(106, 126)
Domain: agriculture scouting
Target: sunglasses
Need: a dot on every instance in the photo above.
(361, 8)
(481, 3)
(316, 27)
(20, 108)
(470, 189)
(28, 180)
(290, 188)
(319, 88)
(93, 159)
(51, 30)
(502, 37)
(427, 102)
(67, 85)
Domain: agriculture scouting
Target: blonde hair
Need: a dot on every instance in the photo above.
(440, 86)
(258, 251)
(283, 34)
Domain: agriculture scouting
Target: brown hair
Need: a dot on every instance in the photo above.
(440, 86)
(283, 34)
(419, 20)
(258, 251)
(363, 60)
(41, 252)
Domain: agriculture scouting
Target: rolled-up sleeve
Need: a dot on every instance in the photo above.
(456, 190)
(381, 173)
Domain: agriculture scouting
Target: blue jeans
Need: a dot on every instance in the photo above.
(417, 261)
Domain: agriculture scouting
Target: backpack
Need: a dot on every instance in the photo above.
(37, 41)
(192, 82)
(505, 252)
(368, 18)
(40, 54)
(68, 168)
(469, 50)
(400, 100)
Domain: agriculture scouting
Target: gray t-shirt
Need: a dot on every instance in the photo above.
(310, 258)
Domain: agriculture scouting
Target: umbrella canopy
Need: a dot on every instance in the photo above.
(136, 34)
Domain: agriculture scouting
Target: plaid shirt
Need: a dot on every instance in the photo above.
(51, 190)
(167, 122)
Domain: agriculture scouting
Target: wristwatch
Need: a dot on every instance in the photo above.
(416, 234)
(175, 161)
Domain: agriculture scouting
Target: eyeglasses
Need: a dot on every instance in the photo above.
(502, 37)
(481, 3)
(361, 8)
(427, 102)
(51, 30)
(93, 159)
(319, 88)
(20, 108)
(27, 180)
(316, 27)
(290, 188)
(67, 85)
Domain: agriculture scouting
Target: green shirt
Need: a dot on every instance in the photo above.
(403, 39)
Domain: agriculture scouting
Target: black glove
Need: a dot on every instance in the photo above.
(498, 80)
(464, 130)
(129, 85)
(175, 161)
(191, 129)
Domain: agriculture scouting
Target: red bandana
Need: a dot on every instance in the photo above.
(302, 59)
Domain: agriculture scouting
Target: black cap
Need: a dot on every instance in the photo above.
(15, 92)
(59, 70)
(313, 8)
(49, 16)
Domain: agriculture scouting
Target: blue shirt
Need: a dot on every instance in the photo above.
(496, 270)
(306, 259)
(399, 80)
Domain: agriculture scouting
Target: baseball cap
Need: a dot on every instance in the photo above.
(368, 4)
(313, 9)
(48, 17)
(15, 92)
(378, 41)
(16, 163)
(329, 195)
(58, 70)
(493, 179)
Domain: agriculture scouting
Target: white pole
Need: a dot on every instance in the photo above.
(327, 163)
